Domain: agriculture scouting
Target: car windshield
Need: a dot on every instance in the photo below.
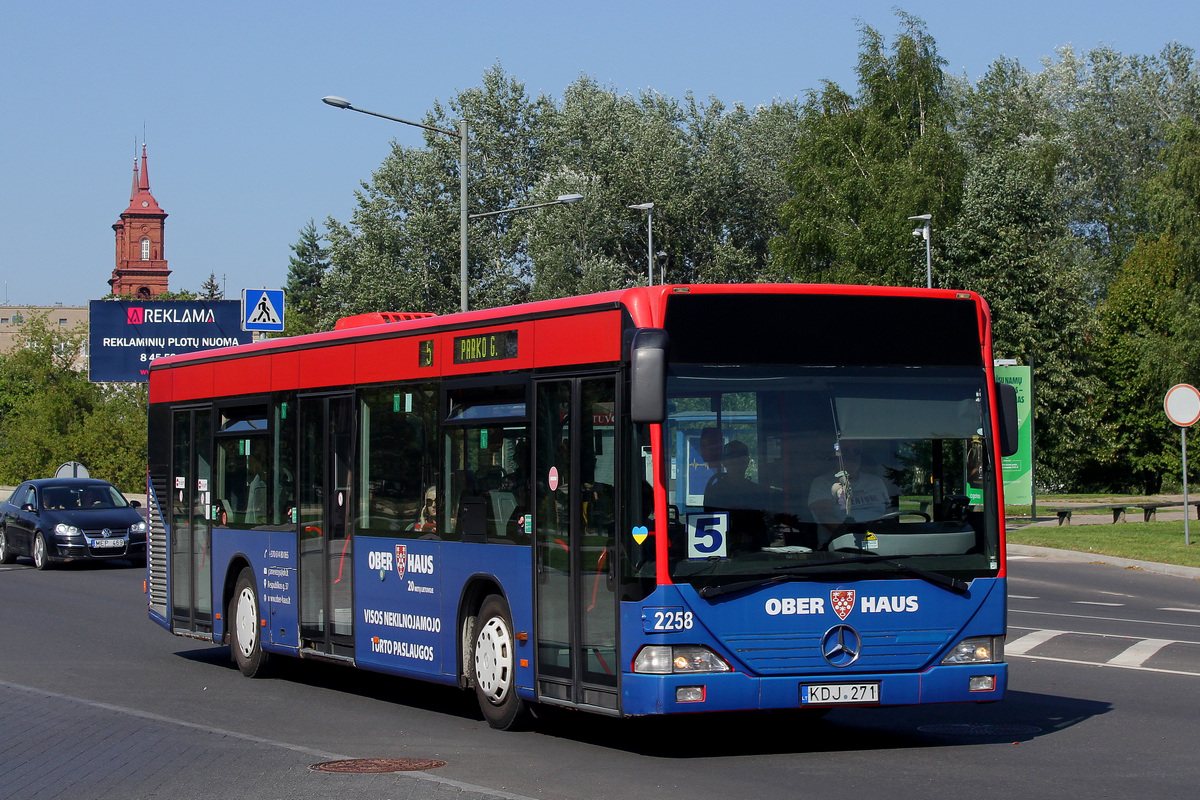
(829, 470)
(93, 497)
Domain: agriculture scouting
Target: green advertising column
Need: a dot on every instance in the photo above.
(1017, 468)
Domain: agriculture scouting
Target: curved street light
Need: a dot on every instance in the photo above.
(924, 232)
(461, 135)
(563, 199)
(649, 209)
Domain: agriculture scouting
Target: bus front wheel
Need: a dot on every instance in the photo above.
(245, 639)
(494, 665)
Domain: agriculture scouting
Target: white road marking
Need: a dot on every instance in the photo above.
(1185, 610)
(1022, 597)
(1096, 603)
(1023, 644)
(1105, 619)
(1138, 653)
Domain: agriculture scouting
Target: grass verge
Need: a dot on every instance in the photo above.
(1153, 541)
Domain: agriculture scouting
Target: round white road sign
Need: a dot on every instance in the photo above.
(1182, 404)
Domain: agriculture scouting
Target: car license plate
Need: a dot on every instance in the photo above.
(101, 544)
(830, 694)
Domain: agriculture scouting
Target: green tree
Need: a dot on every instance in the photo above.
(866, 163)
(1010, 244)
(306, 273)
(210, 289)
(1147, 326)
(51, 414)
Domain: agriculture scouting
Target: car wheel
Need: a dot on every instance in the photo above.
(41, 559)
(245, 638)
(7, 556)
(494, 663)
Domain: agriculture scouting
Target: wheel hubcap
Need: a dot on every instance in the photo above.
(493, 660)
(247, 622)
(39, 552)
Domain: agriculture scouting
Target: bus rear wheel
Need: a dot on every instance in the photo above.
(245, 639)
(494, 666)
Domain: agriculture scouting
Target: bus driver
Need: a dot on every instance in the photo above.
(847, 493)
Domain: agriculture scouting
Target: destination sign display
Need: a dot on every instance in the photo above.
(485, 347)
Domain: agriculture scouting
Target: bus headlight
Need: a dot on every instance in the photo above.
(977, 650)
(664, 659)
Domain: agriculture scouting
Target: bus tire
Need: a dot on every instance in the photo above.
(245, 632)
(494, 666)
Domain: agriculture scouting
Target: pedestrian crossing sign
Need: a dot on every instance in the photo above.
(262, 309)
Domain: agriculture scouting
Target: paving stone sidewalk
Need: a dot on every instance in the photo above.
(57, 746)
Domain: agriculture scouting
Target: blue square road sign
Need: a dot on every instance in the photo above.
(262, 309)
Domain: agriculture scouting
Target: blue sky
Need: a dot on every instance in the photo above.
(243, 153)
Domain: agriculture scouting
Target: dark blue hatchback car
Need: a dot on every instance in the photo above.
(64, 519)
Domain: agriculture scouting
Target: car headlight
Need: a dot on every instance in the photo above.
(663, 659)
(65, 530)
(138, 527)
(977, 650)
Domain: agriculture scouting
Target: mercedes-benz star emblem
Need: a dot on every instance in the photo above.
(841, 645)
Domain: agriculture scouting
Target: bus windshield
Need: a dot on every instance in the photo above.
(829, 472)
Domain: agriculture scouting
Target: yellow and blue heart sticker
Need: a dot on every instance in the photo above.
(640, 534)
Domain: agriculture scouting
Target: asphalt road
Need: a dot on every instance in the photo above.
(97, 702)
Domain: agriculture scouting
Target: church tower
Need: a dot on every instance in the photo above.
(141, 269)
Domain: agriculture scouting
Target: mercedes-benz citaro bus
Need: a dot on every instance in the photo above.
(651, 501)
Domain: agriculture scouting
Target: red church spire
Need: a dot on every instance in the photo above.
(141, 266)
(144, 183)
(142, 202)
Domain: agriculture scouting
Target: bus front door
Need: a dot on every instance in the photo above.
(324, 483)
(575, 520)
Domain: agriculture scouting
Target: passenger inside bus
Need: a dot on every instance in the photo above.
(730, 490)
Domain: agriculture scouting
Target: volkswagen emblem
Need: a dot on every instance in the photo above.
(106, 533)
(841, 645)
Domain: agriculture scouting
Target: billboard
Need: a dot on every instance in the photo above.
(1017, 468)
(124, 336)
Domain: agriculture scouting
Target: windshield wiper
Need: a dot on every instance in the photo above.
(792, 573)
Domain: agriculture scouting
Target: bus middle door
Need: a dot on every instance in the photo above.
(323, 486)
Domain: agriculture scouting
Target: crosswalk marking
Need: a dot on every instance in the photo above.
(1095, 649)
(1138, 653)
(1023, 644)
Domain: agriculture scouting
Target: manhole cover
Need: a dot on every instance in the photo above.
(980, 729)
(361, 765)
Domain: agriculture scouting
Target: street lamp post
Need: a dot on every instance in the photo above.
(461, 135)
(923, 231)
(649, 209)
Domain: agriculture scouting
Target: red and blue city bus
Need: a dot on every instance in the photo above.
(651, 501)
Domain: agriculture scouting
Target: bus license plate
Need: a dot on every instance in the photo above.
(829, 694)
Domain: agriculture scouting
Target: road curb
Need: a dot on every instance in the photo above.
(1099, 558)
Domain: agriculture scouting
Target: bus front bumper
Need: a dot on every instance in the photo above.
(644, 694)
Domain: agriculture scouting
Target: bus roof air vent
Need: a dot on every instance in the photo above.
(379, 318)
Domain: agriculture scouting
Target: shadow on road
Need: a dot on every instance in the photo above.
(1021, 717)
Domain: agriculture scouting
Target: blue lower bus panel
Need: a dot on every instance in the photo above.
(814, 644)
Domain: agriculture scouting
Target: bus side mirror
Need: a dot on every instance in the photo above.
(1006, 406)
(648, 375)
